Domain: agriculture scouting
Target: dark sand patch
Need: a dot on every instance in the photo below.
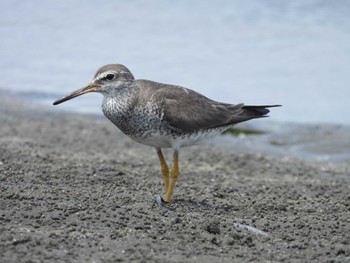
(74, 189)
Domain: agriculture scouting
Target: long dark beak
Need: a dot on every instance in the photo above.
(86, 89)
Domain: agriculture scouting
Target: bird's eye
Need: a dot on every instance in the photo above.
(110, 76)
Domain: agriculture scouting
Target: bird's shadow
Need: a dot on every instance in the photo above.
(190, 205)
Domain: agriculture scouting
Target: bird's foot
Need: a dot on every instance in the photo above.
(164, 205)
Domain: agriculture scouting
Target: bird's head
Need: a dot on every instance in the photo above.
(107, 80)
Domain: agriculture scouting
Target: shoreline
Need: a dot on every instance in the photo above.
(318, 142)
(73, 188)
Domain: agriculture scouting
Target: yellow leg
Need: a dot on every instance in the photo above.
(173, 177)
(164, 168)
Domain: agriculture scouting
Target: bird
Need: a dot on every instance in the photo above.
(163, 115)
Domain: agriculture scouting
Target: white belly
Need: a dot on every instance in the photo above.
(167, 141)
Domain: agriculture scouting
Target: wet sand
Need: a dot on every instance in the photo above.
(74, 189)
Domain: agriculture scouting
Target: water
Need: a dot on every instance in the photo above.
(295, 53)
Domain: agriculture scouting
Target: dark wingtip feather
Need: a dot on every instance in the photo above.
(259, 110)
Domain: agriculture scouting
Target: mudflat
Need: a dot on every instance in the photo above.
(75, 189)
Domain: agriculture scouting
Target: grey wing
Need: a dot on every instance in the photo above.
(187, 110)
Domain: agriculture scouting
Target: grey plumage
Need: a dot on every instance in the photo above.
(163, 115)
(143, 109)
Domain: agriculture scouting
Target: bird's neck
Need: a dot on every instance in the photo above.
(117, 105)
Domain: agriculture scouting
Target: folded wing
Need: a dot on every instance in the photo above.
(187, 110)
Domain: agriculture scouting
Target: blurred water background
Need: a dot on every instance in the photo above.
(295, 53)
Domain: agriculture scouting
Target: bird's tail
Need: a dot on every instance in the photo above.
(258, 111)
(248, 112)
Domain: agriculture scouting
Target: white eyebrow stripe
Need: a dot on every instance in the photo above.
(104, 74)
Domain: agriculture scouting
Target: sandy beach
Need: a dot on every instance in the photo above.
(75, 189)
